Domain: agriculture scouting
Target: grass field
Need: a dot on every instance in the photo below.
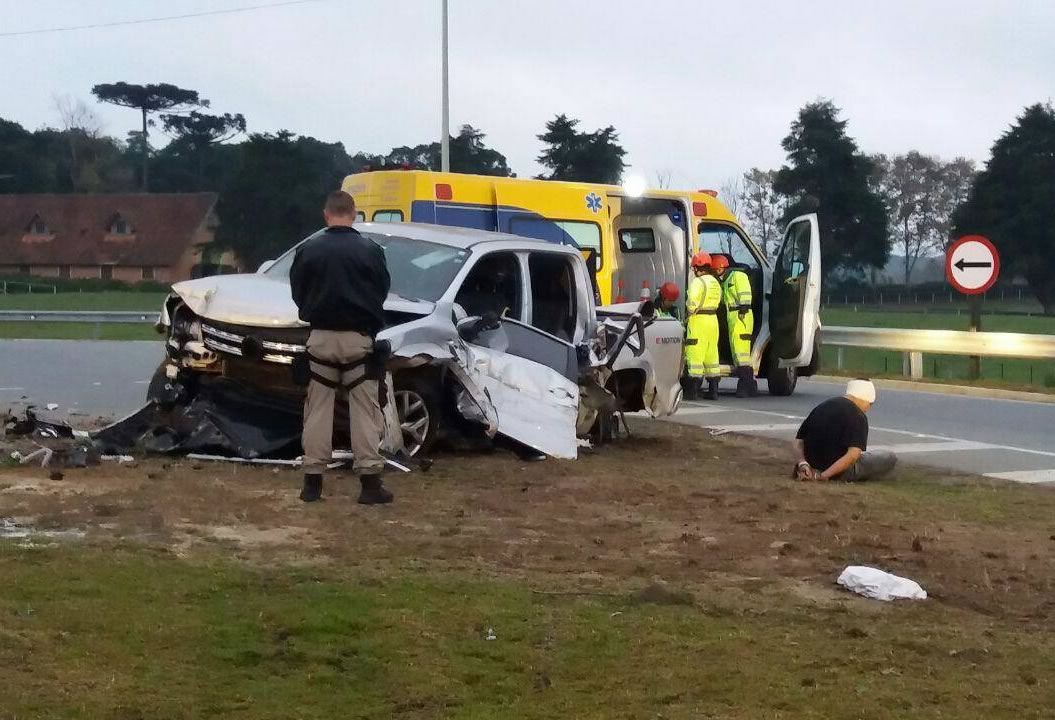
(495, 588)
(998, 372)
(112, 300)
(77, 331)
(84, 301)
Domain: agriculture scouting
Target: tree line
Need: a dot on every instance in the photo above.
(913, 203)
(269, 183)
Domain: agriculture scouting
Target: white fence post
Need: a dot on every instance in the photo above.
(915, 365)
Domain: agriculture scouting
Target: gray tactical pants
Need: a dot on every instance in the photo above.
(364, 409)
(871, 465)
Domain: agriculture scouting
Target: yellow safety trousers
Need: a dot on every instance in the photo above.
(737, 294)
(701, 306)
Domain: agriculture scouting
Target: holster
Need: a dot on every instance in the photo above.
(301, 369)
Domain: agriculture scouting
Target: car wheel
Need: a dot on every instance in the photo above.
(782, 381)
(418, 409)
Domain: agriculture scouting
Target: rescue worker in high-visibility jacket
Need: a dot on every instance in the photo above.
(701, 344)
(736, 292)
(666, 300)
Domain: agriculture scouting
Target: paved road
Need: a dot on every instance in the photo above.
(91, 377)
(1001, 438)
(1009, 439)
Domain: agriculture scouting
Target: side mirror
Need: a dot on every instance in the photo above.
(265, 266)
(470, 328)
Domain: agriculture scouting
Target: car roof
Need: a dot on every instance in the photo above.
(459, 237)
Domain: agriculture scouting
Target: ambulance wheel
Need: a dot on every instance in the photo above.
(781, 381)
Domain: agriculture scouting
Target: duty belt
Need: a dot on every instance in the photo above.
(738, 308)
(341, 368)
(706, 312)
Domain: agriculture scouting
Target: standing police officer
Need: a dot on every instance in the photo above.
(740, 318)
(340, 281)
(701, 306)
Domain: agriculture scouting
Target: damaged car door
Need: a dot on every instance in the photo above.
(529, 376)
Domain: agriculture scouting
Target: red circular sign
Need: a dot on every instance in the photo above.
(972, 264)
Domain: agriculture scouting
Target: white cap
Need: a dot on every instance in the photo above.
(862, 390)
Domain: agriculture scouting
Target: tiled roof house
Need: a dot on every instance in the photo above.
(130, 237)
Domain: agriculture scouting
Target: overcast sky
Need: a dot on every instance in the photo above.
(702, 90)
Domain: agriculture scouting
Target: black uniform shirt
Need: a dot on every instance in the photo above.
(339, 281)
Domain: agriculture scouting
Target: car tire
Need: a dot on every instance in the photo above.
(419, 409)
(781, 381)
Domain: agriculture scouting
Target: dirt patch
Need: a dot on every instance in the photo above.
(670, 506)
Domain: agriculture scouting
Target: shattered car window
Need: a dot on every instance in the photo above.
(420, 270)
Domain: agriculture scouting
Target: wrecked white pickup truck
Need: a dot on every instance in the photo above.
(490, 333)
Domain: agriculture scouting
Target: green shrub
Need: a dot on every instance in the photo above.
(65, 285)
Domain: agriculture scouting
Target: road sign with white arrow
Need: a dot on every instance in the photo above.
(972, 264)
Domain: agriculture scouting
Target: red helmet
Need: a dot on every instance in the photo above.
(719, 263)
(669, 291)
(701, 260)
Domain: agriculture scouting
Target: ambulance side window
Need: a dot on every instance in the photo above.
(388, 216)
(721, 239)
(792, 261)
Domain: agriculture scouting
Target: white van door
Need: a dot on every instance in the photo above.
(795, 300)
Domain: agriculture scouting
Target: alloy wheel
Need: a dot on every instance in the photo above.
(414, 419)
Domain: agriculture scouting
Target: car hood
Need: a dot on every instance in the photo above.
(260, 301)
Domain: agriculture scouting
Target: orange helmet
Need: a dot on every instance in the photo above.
(669, 291)
(701, 260)
(719, 263)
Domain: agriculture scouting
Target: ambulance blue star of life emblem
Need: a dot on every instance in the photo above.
(593, 201)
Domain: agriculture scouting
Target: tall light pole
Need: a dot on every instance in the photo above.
(445, 139)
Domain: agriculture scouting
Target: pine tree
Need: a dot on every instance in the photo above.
(1012, 202)
(827, 174)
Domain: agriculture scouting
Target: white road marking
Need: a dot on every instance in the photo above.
(699, 410)
(765, 427)
(899, 431)
(1026, 476)
(949, 446)
(11, 389)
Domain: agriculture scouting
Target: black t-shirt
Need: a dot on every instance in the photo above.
(832, 428)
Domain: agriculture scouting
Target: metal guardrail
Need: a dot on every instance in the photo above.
(79, 316)
(944, 342)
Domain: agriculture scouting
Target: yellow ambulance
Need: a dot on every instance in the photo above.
(633, 240)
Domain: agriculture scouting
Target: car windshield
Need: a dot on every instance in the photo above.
(420, 270)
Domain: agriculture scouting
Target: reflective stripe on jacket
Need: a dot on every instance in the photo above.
(737, 290)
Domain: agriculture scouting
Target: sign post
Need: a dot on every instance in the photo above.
(972, 266)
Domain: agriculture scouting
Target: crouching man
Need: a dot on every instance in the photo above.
(339, 281)
(832, 441)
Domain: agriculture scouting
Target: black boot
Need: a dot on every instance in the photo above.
(712, 389)
(752, 382)
(373, 492)
(743, 381)
(691, 388)
(312, 491)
